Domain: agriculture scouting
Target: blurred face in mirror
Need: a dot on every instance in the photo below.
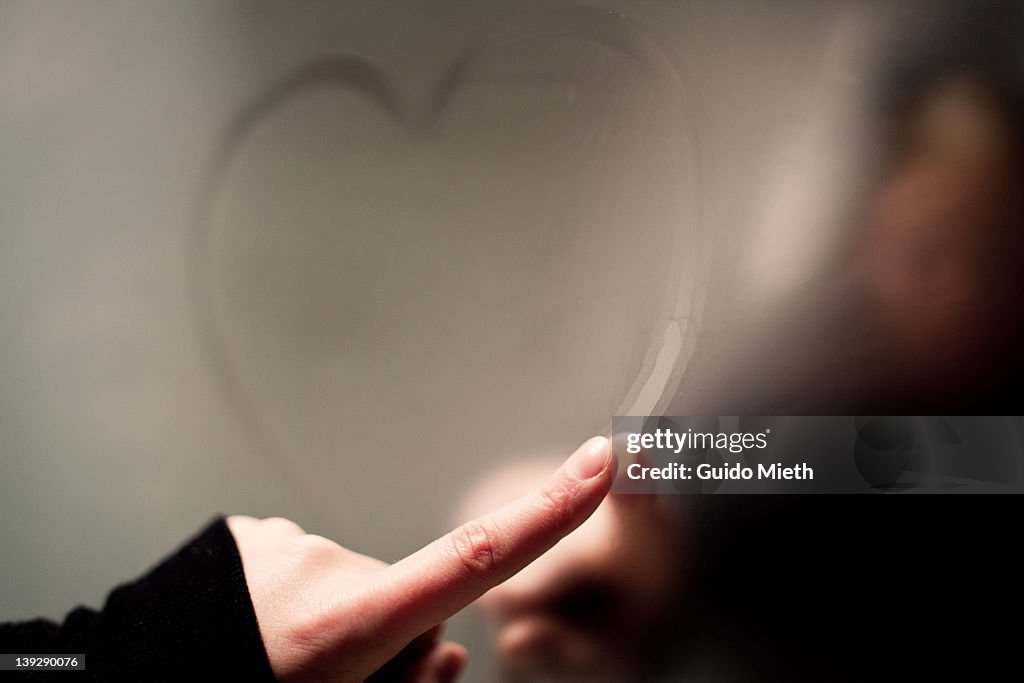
(937, 238)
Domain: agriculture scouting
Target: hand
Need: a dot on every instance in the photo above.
(329, 614)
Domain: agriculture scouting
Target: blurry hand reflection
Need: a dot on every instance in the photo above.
(594, 607)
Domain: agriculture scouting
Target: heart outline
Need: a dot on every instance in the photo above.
(354, 74)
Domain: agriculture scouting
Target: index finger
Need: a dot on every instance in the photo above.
(437, 581)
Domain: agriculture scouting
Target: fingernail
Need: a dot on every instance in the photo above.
(590, 459)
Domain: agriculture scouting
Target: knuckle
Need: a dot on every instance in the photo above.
(474, 546)
(556, 499)
(282, 526)
(242, 525)
(316, 546)
(312, 551)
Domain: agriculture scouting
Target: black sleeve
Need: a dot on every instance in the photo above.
(189, 618)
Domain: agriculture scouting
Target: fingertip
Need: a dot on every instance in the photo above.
(590, 460)
(453, 658)
(445, 664)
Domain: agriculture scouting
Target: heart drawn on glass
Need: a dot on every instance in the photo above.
(497, 270)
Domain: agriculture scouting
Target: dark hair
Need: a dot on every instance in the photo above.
(980, 41)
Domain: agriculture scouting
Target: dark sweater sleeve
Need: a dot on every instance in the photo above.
(189, 618)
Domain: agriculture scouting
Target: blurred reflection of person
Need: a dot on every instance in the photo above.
(920, 315)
